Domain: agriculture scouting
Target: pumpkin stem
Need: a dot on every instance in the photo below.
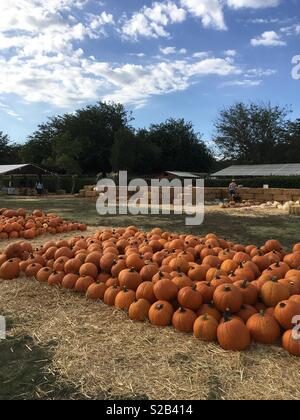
(282, 305)
(205, 317)
(181, 309)
(227, 315)
(227, 289)
(159, 306)
(262, 312)
(244, 284)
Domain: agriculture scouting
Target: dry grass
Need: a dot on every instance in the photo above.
(100, 352)
(97, 351)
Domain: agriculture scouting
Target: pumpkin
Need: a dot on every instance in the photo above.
(13, 250)
(246, 312)
(198, 272)
(249, 292)
(293, 287)
(139, 310)
(213, 272)
(209, 309)
(190, 298)
(206, 290)
(219, 280)
(272, 245)
(43, 274)
(182, 280)
(96, 291)
(284, 313)
(124, 299)
(148, 271)
(72, 266)
(228, 297)
(129, 278)
(94, 258)
(165, 290)
(161, 313)
(135, 261)
(263, 328)
(295, 298)
(179, 264)
(233, 334)
(229, 266)
(59, 264)
(83, 283)
(110, 295)
(63, 252)
(273, 292)
(107, 261)
(56, 278)
(183, 320)
(33, 269)
(9, 270)
(88, 269)
(212, 261)
(293, 260)
(69, 281)
(205, 328)
(291, 342)
(145, 291)
(262, 262)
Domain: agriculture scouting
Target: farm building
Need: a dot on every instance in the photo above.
(15, 179)
(288, 169)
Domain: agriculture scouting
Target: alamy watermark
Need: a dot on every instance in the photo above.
(296, 68)
(159, 197)
(2, 328)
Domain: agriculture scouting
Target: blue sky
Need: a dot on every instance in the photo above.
(173, 58)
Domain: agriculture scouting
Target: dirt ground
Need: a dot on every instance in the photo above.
(61, 346)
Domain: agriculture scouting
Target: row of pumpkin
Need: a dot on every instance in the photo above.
(219, 290)
(16, 224)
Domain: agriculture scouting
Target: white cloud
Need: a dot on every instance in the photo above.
(230, 53)
(242, 83)
(268, 39)
(261, 21)
(202, 54)
(258, 72)
(209, 11)
(172, 50)
(8, 111)
(291, 30)
(253, 4)
(150, 22)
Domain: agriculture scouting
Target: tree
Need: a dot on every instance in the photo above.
(253, 133)
(9, 152)
(292, 143)
(181, 147)
(85, 136)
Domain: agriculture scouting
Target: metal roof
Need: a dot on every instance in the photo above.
(26, 168)
(182, 174)
(288, 169)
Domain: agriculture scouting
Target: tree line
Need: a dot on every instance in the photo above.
(101, 139)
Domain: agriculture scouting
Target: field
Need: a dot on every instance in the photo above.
(61, 346)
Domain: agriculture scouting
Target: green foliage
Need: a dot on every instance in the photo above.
(253, 133)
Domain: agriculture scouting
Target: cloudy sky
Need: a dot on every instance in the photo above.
(180, 58)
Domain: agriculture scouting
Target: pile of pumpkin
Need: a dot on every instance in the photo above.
(18, 224)
(218, 290)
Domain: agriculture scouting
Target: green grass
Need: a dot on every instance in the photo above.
(241, 229)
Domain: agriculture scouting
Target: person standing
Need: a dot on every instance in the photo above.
(233, 189)
(39, 187)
